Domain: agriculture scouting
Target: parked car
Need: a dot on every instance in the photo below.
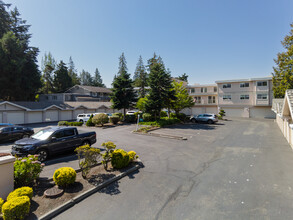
(10, 133)
(83, 117)
(131, 112)
(109, 114)
(53, 140)
(209, 118)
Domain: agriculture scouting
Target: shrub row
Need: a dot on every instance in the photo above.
(161, 122)
(67, 123)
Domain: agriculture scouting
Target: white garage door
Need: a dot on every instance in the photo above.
(15, 117)
(213, 110)
(66, 115)
(0, 117)
(233, 112)
(78, 111)
(261, 113)
(197, 110)
(51, 115)
(35, 117)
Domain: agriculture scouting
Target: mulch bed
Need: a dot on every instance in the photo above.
(40, 204)
(4, 154)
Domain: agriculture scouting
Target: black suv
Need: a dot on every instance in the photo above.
(11, 133)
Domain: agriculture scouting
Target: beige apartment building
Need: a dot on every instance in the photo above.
(250, 98)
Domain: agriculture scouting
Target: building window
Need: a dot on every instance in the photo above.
(192, 90)
(244, 96)
(242, 85)
(226, 86)
(226, 97)
(202, 90)
(264, 83)
(211, 99)
(262, 96)
(197, 99)
(215, 89)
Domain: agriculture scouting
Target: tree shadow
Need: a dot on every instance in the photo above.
(74, 188)
(42, 185)
(112, 189)
(100, 178)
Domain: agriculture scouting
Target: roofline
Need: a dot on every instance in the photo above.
(201, 85)
(244, 80)
(53, 106)
(16, 105)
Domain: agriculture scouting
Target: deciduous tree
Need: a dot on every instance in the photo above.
(183, 99)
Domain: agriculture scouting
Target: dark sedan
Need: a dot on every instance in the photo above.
(11, 133)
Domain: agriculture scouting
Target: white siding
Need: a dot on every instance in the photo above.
(34, 117)
(0, 117)
(261, 112)
(66, 115)
(15, 117)
(51, 115)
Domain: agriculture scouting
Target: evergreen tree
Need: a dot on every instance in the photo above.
(97, 80)
(123, 96)
(62, 80)
(283, 72)
(19, 74)
(86, 78)
(161, 91)
(183, 77)
(48, 67)
(72, 72)
(140, 77)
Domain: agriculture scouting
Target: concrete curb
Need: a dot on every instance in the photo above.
(84, 195)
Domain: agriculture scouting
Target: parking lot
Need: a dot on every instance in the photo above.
(236, 169)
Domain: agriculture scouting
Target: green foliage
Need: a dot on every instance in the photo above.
(1, 204)
(67, 123)
(27, 170)
(86, 78)
(123, 95)
(62, 81)
(72, 72)
(22, 191)
(182, 117)
(183, 77)
(48, 67)
(114, 119)
(141, 104)
(147, 117)
(161, 122)
(100, 119)
(283, 72)
(16, 208)
(120, 158)
(145, 129)
(63, 123)
(87, 158)
(110, 147)
(120, 115)
(222, 113)
(89, 122)
(163, 114)
(130, 118)
(132, 155)
(183, 99)
(97, 80)
(140, 78)
(173, 115)
(64, 176)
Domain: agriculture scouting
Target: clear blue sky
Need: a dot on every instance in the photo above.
(207, 39)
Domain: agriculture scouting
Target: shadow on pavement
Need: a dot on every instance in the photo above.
(197, 126)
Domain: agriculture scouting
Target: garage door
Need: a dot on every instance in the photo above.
(233, 112)
(197, 110)
(1, 118)
(51, 115)
(66, 115)
(213, 110)
(35, 117)
(78, 111)
(261, 112)
(15, 117)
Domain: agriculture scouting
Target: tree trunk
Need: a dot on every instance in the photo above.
(124, 113)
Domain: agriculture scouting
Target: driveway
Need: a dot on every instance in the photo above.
(239, 169)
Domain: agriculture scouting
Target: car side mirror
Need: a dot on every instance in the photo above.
(53, 138)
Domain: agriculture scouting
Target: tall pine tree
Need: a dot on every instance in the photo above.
(140, 77)
(48, 67)
(283, 72)
(72, 72)
(123, 96)
(62, 80)
(97, 80)
(85, 78)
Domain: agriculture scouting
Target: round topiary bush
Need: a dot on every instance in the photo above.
(63, 123)
(132, 155)
(22, 191)
(120, 158)
(114, 119)
(147, 117)
(64, 176)
(89, 122)
(100, 119)
(16, 208)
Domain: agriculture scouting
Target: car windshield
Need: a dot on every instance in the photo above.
(43, 134)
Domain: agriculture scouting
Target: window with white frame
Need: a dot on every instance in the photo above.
(211, 99)
(262, 96)
(226, 97)
(226, 86)
(215, 89)
(204, 89)
(244, 96)
(197, 99)
(192, 90)
(262, 83)
(243, 85)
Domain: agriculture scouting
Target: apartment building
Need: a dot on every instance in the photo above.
(250, 98)
(205, 98)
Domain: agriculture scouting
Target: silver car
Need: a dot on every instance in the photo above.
(208, 118)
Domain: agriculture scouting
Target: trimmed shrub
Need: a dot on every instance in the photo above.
(66, 123)
(120, 159)
(63, 123)
(163, 114)
(114, 119)
(1, 204)
(130, 118)
(64, 176)
(120, 115)
(27, 170)
(132, 155)
(110, 146)
(22, 191)
(173, 115)
(87, 158)
(100, 119)
(161, 122)
(147, 117)
(89, 122)
(16, 208)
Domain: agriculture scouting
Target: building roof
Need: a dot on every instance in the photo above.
(244, 80)
(89, 105)
(92, 89)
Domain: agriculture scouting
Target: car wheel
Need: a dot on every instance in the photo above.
(86, 143)
(43, 155)
(81, 120)
(193, 120)
(210, 122)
